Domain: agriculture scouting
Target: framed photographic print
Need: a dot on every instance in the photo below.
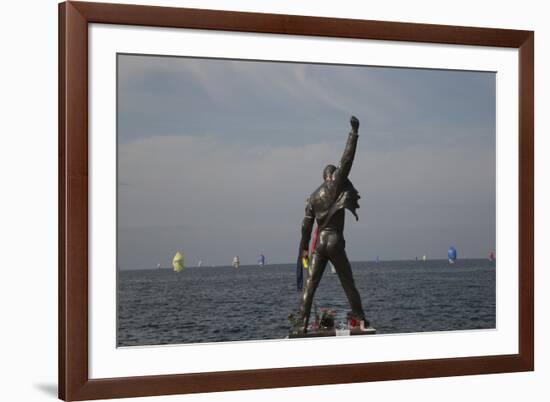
(259, 200)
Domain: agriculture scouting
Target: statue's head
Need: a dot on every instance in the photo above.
(328, 171)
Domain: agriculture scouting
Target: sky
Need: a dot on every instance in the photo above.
(216, 158)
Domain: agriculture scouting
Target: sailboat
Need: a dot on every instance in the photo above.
(261, 260)
(236, 262)
(158, 265)
(491, 256)
(177, 262)
(451, 254)
(199, 264)
(424, 258)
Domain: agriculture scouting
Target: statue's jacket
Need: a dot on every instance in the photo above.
(333, 196)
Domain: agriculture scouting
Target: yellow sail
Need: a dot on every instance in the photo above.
(177, 262)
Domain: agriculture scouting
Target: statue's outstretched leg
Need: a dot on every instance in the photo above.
(318, 265)
(343, 268)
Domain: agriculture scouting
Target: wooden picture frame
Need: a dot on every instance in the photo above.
(74, 381)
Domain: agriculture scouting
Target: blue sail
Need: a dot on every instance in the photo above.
(261, 260)
(451, 253)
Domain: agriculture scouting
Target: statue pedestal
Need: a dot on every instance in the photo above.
(318, 333)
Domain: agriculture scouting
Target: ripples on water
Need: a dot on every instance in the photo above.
(216, 304)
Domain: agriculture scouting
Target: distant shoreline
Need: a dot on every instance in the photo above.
(271, 266)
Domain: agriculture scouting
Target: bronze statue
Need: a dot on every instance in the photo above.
(327, 205)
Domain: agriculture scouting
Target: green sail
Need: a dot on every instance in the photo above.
(177, 262)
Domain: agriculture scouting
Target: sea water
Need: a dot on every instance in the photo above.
(217, 304)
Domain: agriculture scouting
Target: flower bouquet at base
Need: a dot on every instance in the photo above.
(353, 321)
(327, 318)
(295, 323)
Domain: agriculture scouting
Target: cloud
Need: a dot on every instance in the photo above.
(239, 199)
(217, 157)
(281, 104)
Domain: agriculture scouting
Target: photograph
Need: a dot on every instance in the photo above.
(269, 200)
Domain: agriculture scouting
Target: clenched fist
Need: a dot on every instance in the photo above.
(354, 124)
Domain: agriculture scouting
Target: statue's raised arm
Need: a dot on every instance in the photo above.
(342, 172)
